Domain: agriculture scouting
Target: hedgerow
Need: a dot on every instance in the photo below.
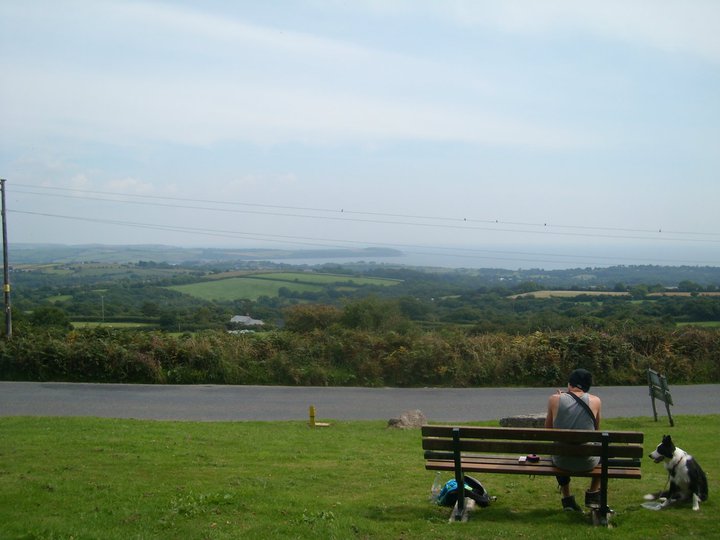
(336, 355)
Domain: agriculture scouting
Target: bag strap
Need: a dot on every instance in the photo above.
(586, 407)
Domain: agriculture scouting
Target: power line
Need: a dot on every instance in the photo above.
(344, 211)
(470, 253)
(663, 236)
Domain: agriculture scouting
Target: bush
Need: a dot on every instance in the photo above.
(337, 355)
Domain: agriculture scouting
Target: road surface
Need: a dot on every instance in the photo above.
(218, 403)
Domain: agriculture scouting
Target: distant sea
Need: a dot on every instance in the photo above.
(534, 256)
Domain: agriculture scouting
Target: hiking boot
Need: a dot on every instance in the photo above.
(569, 504)
(592, 499)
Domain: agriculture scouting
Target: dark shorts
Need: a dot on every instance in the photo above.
(563, 480)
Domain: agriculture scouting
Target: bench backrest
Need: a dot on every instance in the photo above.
(521, 441)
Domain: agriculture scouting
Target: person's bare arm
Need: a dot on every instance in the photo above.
(552, 409)
(596, 407)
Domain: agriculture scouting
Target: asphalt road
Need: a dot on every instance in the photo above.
(218, 403)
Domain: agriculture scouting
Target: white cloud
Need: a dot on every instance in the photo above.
(676, 26)
(249, 83)
(195, 25)
(131, 186)
(79, 182)
(122, 109)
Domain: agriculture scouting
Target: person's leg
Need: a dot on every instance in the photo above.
(592, 495)
(568, 501)
(565, 490)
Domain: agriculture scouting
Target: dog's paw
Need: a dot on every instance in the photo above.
(650, 497)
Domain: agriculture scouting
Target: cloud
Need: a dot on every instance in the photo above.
(79, 182)
(674, 26)
(201, 79)
(121, 109)
(131, 186)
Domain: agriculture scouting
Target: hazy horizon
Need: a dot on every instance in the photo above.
(450, 257)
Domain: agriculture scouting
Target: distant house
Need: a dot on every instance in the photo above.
(246, 320)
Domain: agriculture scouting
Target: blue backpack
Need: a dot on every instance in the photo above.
(448, 495)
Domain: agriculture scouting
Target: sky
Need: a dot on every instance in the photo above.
(514, 133)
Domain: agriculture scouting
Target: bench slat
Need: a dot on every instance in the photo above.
(530, 469)
(532, 434)
(432, 455)
(533, 447)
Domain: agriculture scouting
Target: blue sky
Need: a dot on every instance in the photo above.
(537, 129)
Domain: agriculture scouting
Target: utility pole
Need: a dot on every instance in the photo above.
(6, 270)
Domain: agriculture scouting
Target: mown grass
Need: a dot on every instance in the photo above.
(85, 478)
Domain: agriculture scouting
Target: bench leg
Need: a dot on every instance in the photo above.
(602, 514)
(652, 400)
(459, 477)
(601, 519)
(461, 516)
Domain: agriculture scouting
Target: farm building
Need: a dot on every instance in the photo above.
(246, 320)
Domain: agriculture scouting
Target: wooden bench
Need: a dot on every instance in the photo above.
(659, 390)
(468, 449)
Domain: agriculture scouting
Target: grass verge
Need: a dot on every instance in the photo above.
(86, 478)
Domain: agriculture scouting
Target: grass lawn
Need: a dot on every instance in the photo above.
(85, 478)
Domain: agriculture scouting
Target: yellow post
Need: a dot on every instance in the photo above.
(312, 415)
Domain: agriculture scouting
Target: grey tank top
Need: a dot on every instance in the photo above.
(571, 415)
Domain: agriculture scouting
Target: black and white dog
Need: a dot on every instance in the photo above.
(686, 479)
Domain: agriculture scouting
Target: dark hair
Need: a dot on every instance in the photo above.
(581, 378)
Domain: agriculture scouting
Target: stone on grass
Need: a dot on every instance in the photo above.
(408, 420)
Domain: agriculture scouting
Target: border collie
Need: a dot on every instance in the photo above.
(686, 479)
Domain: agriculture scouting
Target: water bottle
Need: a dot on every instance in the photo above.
(436, 487)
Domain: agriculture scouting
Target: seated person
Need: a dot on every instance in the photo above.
(564, 412)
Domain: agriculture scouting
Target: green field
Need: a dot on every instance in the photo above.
(703, 324)
(59, 298)
(111, 324)
(257, 285)
(93, 478)
(240, 288)
(567, 294)
(327, 279)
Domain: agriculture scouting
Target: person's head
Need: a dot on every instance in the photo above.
(581, 378)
